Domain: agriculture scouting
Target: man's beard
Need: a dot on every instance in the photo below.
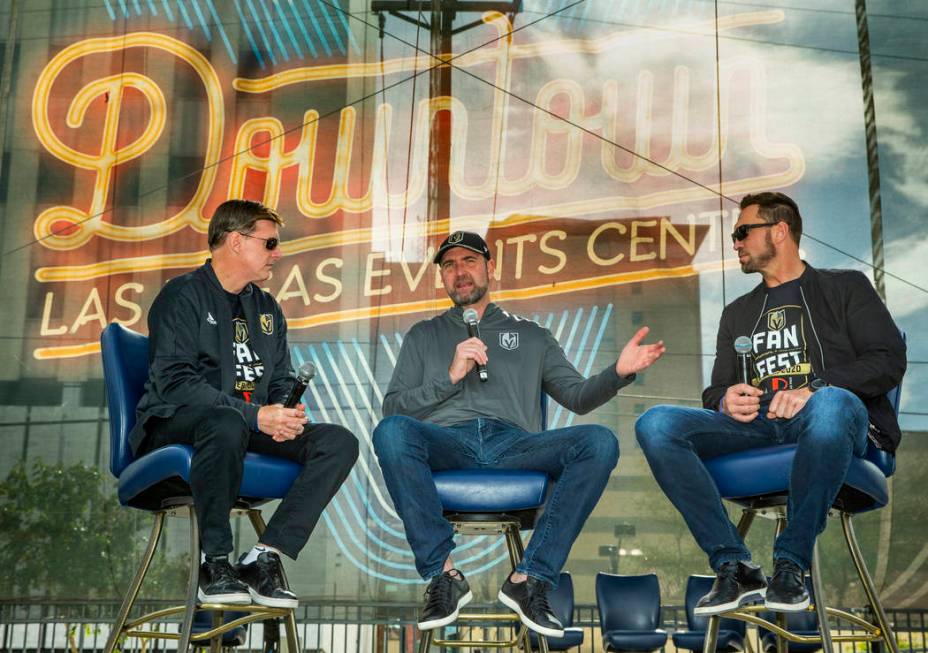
(473, 297)
(755, 263)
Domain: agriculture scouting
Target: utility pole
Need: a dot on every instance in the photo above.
(440, 25)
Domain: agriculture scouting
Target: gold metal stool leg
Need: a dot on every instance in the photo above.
(133, 592)
(873, 597)
(193, 583)
(818, 588)
(710, 643)
(425, 641)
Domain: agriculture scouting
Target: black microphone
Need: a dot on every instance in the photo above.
(744, 349)
(303, 377)
(470, 319)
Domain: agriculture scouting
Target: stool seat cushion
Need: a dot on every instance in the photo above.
(490, 490)
(765, 471)
(634, 640)
(266, 477)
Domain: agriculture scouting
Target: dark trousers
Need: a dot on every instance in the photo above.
(220, 437)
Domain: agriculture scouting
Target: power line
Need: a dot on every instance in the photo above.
(320, 117)
(619, 146)
(691, 32)
(449, 62)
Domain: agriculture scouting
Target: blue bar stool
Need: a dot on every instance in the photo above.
(758, 481)
(157, 482)
(491, 502)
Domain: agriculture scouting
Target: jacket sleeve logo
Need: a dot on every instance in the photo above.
(509, 340)
(267, 323)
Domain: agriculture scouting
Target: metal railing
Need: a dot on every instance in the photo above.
(342, 627)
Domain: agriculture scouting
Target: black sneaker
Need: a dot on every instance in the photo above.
(787, 591)
(737, 583)
(220, 584)
(265, 580)
(446, 594)
(530, 601)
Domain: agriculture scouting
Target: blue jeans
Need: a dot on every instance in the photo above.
(578, 459)
(830, 428)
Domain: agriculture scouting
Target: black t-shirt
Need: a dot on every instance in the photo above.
(781, 343)
(248, 366)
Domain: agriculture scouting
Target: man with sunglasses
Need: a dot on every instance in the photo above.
(825, 352)
(219, 368)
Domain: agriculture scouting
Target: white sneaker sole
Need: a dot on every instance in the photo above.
(271, 602)
(742, 600)
(235, 598)
(444, 621)
(787, 607)
(541, 630)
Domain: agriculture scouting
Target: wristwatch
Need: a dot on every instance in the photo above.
(817, 384)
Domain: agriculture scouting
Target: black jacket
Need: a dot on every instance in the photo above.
(855, 344)
(190, 350)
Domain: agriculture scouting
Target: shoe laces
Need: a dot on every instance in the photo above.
(728, 570)
(788, 568)
(270, 567)
(538, 598)
(438, 593)
(220, 570)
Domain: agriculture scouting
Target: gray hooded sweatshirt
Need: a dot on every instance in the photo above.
(523, 359)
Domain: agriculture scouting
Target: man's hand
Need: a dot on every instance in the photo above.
(466, 355)
(636, 357)
(788, 403)
(282, 423)
(742, 402)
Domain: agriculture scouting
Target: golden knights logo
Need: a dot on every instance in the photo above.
(456, 237)
(509, 340)
(776, 320)
(267, 323)
(241, 330)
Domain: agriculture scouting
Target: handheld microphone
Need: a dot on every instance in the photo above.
(470, 319)
(743, 348)
(305, 374)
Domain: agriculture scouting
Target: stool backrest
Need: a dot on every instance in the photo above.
(562, 600)
(883, 459)
(628, 602)
(125, 372)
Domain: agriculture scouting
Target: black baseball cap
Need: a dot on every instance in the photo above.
(467, 240)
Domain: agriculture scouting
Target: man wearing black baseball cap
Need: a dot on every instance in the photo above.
(467, 240)
(441, 414)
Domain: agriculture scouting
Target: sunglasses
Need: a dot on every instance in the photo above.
(742, 232)
(270, 244)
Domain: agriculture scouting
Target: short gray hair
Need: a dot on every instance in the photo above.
(240, 216)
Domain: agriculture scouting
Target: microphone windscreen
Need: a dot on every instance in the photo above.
(743, 345)
(470, 316)
(307, 371)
